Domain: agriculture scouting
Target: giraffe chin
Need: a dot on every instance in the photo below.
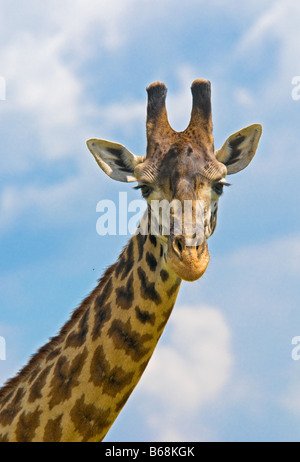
(191, 264)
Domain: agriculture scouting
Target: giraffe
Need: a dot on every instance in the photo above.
(75, 386)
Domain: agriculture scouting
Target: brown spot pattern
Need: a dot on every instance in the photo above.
(77, 339)
(53, 430)
(174, 287)
(141, 239)
(105, 294)
(10, 411)
(164, 275)
(5, 399)
(112, 380)
(53, 354)
(89, 421)
(122, 401)
(125, 294)
(151, 261)
(27, 425)
(148, 291)
(102, 315)
(167, 314)
(144, 316)
(33, 374)
(126, 261)
(153, 240)
(161, 251)
(130, 341)
(65, 378)
(4, 438)
(38, 385)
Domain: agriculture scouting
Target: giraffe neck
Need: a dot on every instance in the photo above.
(75, 386)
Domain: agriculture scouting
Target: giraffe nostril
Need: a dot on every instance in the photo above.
(178, 244)
(199, 247)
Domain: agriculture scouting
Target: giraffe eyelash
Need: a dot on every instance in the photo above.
(146, 189)
(218, 187)
(224, 183)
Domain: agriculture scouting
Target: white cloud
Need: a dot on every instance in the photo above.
(188, 372)
(73, 23)
(126, 114)
(42, 96)
(179, 103)
(258, 289)
(40, 63)
(123, 115)
(277, 27)
(264, 26)
(290, 398)
(41, 60)
(244, 97)
(60, 202)
(43, 88)
(103, 20)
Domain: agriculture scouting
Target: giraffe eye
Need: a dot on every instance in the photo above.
(145, 189)
(218, 188)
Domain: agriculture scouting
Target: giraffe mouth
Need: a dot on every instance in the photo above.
(188, 262)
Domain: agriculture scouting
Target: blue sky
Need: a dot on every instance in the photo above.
(223, 370)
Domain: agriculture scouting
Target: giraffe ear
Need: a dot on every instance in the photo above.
(239, 149)
(114, 159)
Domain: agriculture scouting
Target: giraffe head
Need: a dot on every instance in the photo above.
(183, 170)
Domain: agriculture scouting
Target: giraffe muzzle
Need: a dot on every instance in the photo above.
(188, 257)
